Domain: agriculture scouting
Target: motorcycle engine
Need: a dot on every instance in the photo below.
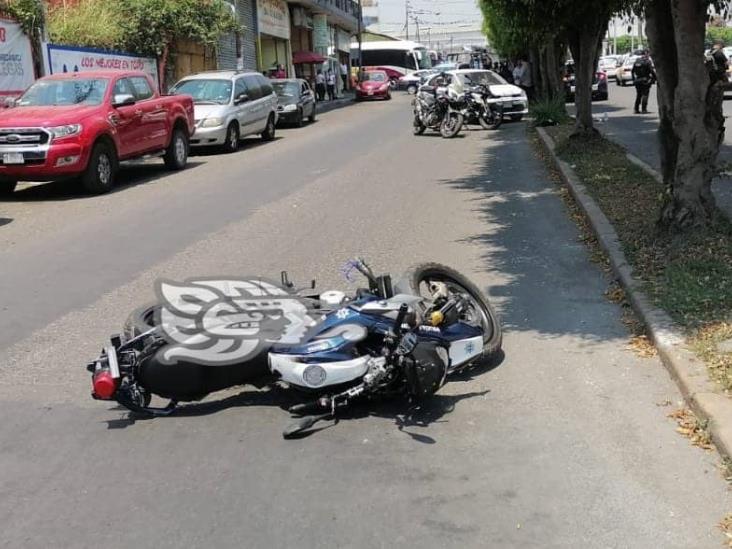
(426, 368)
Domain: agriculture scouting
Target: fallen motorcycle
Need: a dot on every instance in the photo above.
(208, 335)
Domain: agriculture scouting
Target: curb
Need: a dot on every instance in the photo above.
(327, 106)
(689, 373)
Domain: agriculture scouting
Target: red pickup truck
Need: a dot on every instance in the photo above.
(83, 124)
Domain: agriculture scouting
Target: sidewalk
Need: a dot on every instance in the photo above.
(327, 106)
(637, 133)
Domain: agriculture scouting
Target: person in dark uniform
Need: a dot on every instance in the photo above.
(644, 76)
(717, 63)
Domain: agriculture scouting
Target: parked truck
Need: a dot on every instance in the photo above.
(82, 125)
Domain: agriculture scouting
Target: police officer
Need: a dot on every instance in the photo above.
(644, 76)
(717, 63)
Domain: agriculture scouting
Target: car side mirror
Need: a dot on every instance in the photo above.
(241, 98)
(123, 99)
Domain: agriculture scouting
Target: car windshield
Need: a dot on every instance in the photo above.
(76, 91)
(608, 62)
(485, 78)
(374, 76)
(206, 91)
(286, 89)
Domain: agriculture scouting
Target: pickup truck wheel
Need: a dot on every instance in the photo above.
(269, 131)
(232, 138)
(176, 157)
(102, 170)
(7, 187)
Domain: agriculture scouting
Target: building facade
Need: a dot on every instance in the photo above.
(239, 50)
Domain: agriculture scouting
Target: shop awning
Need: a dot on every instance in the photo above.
(306, 58)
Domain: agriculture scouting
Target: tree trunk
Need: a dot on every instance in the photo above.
(691, 125)
(584, 42)
(163, 66)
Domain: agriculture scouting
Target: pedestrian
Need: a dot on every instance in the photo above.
(525, 81)
(717, 65)
(516, 73)
(644, 75)
(505, 72)
(320, 85)
(344, 76)
(331, 82)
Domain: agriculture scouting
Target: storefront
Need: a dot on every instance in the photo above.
(273, 20)
(343, 51)
(301, 40)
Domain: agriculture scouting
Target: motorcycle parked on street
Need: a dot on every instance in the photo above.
(435, 109)
(479, 106)
(208, 335)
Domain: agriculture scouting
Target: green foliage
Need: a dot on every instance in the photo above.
(626, 44)
(29, 13)
(719, 33)
(549, 112)
(146, 27)
(93, 23)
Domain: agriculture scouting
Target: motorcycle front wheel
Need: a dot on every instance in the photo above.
(451, 125)
(416, 281)
(493, 119)
(418, 128)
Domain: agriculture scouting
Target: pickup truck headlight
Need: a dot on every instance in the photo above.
(59, 132)
(212, 122)
(289, 108)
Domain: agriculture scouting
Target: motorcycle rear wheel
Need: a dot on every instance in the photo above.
(494, 121)
(414, 282)
(451, 125)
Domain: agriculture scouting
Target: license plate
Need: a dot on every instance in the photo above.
(13, 158)
(370, 92)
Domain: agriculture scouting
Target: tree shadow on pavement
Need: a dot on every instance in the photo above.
(550, 286)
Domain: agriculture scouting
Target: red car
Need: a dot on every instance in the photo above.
(83, 124)
(373, 85)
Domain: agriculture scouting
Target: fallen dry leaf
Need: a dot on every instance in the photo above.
(692, 428)
(642, 347)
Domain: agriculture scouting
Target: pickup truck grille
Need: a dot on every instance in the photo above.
(15, 137)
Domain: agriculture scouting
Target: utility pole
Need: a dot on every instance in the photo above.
(360, 49)
(406, 18)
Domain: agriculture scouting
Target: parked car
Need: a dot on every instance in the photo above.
(295, 101)
(373, 85)
(412, 81)
(609, 65)
(599, 84)
(229, 106)
(84, 124)
(515, 103)
(624, 73)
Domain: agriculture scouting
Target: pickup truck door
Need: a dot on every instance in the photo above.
(154, 122)
(127, 120)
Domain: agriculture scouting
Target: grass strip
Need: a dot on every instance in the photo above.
(688, 275)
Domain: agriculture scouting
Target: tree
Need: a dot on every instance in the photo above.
(691, 127)
(579, 23)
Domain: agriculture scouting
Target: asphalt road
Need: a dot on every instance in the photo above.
(637, 132)
(566, 443)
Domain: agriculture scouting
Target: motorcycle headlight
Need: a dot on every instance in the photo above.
(289, 108)
(59, 132)
(212, 122)
(314, 375)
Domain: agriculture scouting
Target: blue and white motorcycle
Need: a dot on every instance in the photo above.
(208, 335)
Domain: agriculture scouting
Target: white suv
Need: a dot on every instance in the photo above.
(230, 105)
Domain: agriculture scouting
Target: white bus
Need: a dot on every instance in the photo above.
(397, 57)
